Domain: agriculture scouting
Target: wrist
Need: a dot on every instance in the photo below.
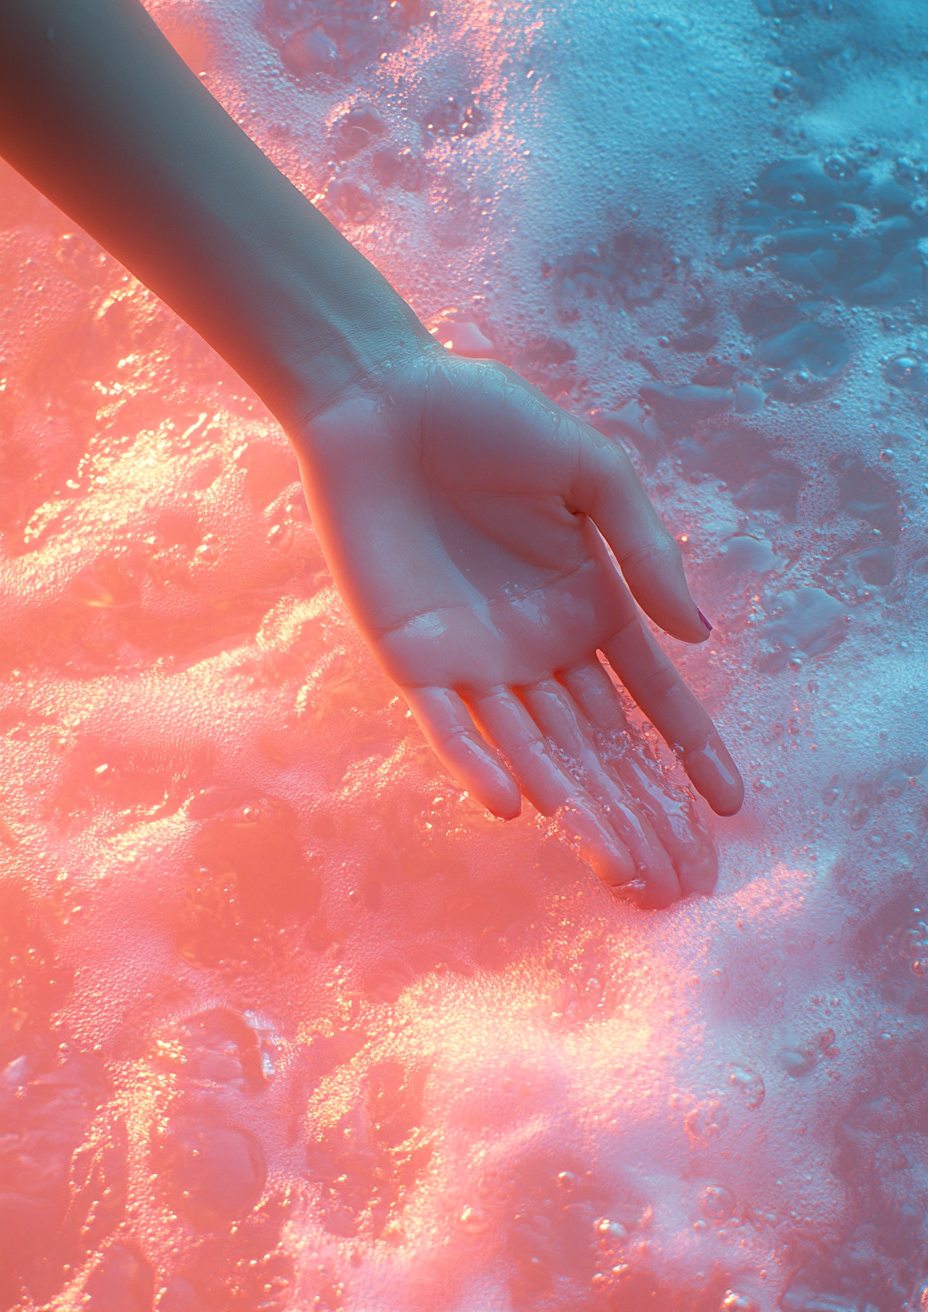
(356, 347)
(365, 338)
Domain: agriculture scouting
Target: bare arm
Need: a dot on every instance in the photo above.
(101, 114)
(464, 516)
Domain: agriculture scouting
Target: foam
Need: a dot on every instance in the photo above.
(289, 1022)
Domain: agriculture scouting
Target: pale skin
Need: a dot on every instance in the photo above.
(465, 518)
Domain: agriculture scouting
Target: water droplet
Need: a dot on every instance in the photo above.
(839, 168)
(908, 372)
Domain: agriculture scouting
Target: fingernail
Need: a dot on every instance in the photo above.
(713, 776)
(703, 618)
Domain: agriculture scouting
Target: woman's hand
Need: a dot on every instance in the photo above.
(458, 509)
(464, 516)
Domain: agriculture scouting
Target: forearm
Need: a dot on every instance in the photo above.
(99, 112)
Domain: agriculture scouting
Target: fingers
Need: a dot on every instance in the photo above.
(659, 689)
(453, 736)
(609, 491)
(557, 716)
(674, 821)
(668, 809)
(505, 720)
(593, 691)
(571, 758)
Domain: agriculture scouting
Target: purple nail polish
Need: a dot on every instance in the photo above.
(703, 618)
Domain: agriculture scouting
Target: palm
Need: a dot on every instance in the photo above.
(457, 513)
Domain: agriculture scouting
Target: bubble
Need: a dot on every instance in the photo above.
(748, 1083)
(735, 1302)
(796, 1062)
(839, 168)
(908, 372)
(706, 1121)
(309, 52)
(355, 129)
(474, 1220)
(210, 1172)
(716, 1203)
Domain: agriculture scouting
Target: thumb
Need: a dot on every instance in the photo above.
(609, 491)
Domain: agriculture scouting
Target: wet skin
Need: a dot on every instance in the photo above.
(465, 518)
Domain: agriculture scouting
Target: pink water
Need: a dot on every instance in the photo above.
(289, 1022)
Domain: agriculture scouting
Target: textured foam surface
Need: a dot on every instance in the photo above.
(288, 1024)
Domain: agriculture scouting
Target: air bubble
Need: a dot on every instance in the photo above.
(796, 1062)
(908, 372)
(716, 1203)
(210, 1172)
(748, 1083)
(310, 52)
(735, 1302)
(839, 168)
(474, 1221)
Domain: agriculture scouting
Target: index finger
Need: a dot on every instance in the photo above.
(673, 708)
(610, 492)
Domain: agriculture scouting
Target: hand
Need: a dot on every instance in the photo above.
(463, 516)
